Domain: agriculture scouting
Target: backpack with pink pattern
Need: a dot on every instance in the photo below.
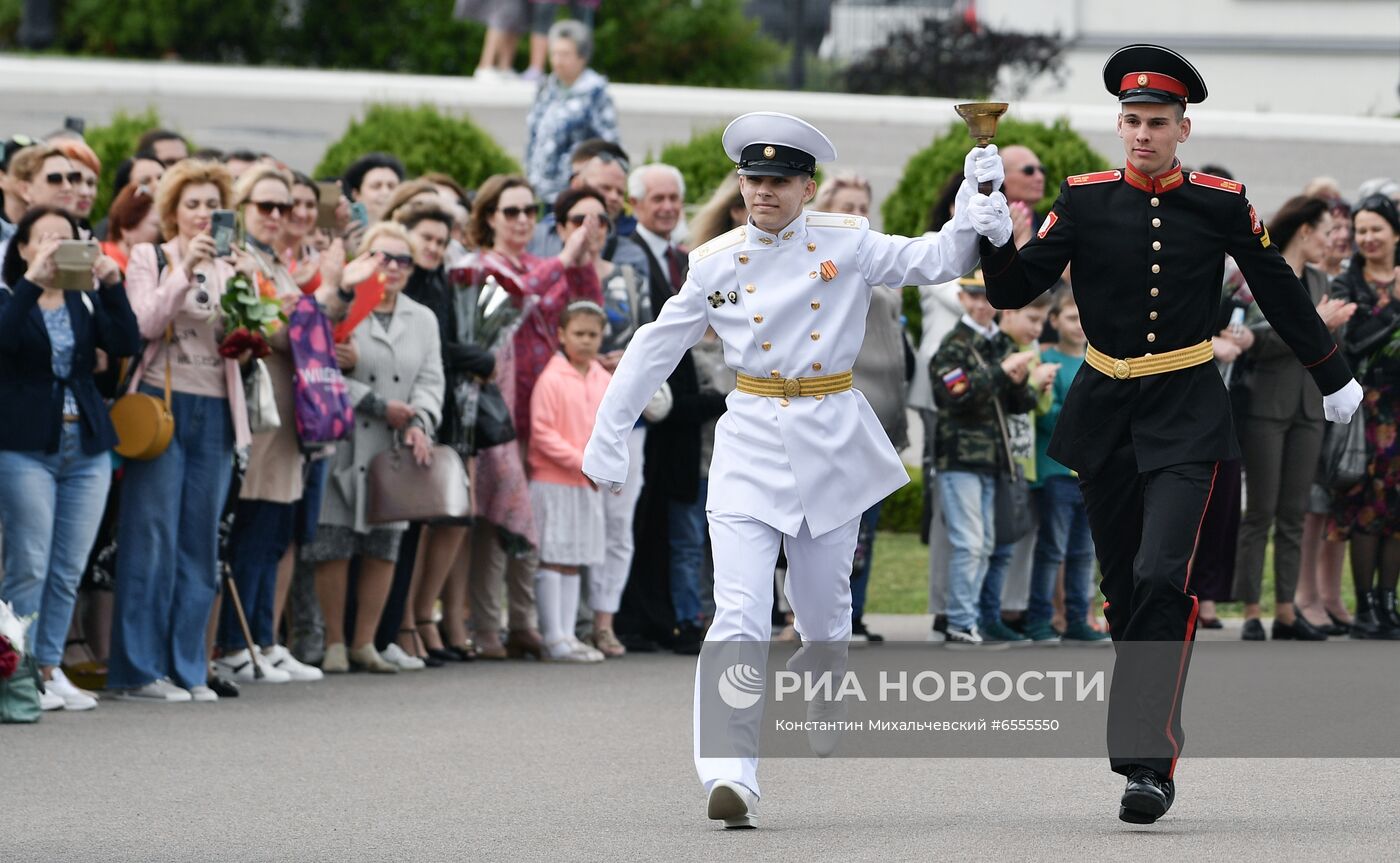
(323, 410)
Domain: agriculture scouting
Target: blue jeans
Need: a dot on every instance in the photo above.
(989, 599)
(688, 528)
(167, 549)
(969, 501)
(865, 556)
(51, 506)
(1063, 538)
(262, 532)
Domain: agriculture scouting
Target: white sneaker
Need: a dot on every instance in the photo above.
(50, 700)
(588, 650)
(396, 656)
(161, 691)
(203, 693)
(239, 666)
(73, 698)
(280, 658)
(563, 650)
(733, 804)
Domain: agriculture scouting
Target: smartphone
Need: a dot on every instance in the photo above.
(358, 213)
(74, 260)
(327, 203)
(75, 124)
(222, 225)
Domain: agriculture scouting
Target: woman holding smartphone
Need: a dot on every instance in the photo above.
(54, 431)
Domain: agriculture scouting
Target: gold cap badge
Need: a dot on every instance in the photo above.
(1142, 80)
(769, 152)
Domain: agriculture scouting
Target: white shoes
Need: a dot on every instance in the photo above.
(571, 650)
(68, 696)
(733, 804)
(281, 659)
(159, 691)
(399, 658)
(239, 666)
(202, 693)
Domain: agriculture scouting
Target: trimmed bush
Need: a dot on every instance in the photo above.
(424, 139)
(112, 143)
(702, 162)
(904, 508)
(1062, 152)
(228, 31)
(704, 43)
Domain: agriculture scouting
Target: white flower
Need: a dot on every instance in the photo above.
(13, 627)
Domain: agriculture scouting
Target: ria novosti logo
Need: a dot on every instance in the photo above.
(740, 686)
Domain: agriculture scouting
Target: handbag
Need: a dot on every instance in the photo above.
(1013, 517)
(261, 399)
(400, 489)
(323, 410)
(144, 423)
(1344, 457)
(493, 425)
(19, 694)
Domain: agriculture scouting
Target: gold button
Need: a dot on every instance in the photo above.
(1156, 268)
(1154, 292)
(1155, 202)
(743, 259)
(816, 367)
(1152, 317)
(1152, 337)
(758, 319)
(816, 304)
(784, 402)
(1156, 223)
(767, 346)
(751, 288)
(775, 373)
(811, 247)
(1156, 245)
(812, 275)
(788, 235)
(816, 335)
(819, 397)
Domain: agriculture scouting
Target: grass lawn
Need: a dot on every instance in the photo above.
(899, 579)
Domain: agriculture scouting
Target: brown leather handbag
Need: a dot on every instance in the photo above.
(145, 423)
(400, 489)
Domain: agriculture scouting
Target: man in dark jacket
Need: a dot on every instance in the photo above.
(976, 366)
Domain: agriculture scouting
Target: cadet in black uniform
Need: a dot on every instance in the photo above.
(1148, 417)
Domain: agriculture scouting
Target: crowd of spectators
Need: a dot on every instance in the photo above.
(243, 551)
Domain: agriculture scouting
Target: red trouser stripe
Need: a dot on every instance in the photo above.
(1190, 625)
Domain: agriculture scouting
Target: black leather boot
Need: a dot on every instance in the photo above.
(1363, 623)
(1147, 797)
(1383, 607)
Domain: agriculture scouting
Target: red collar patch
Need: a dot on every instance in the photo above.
(1214, 182)
(1154, 185)
(1096, 177)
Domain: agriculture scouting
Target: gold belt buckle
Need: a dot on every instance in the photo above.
(1121, 370)
(792, 387)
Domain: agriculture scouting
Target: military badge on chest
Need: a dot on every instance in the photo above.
(717, 299)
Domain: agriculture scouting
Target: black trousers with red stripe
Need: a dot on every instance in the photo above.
(1146, 527)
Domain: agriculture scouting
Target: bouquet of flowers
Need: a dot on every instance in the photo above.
(252, 313)
(12, 629)
(487, 316)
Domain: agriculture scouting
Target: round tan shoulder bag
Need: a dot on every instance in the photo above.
(144, 423)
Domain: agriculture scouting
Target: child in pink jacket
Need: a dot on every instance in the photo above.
(568, 509)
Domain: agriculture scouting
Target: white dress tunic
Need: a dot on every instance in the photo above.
(822, 459)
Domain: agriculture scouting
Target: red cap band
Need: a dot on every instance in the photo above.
(1152, 81)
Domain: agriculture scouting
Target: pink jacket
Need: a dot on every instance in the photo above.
(562, 409)
(156, 299)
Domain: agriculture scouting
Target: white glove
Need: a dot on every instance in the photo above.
(1339, 407)
(614, 487)
(991, 217)
(660, 405)
(983, 165)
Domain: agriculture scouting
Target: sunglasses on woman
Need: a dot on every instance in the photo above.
(267, 208)
(389, 259)
(531, 211)
(73, 178)
(579, 219)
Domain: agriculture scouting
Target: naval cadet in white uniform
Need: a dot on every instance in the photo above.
(799, 455)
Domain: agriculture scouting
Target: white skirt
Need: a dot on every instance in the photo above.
(571, 524)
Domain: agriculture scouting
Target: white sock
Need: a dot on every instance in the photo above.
(547, 604)
(568, 604)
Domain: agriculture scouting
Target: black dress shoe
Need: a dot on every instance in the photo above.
(1147, 797)
(637, 643)
(1338, 626)
(860, 633)
(1253, 630)
(1301, 629)
(222, 686)
(689, 639)
(1210, 623)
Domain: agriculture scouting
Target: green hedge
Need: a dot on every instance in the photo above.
(424, 139)
(703, 43)
(1062, 152)
(112, 143)
(903, 509)
(702, 162)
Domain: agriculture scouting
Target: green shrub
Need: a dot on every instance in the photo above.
(112, 143)
(702, 162)
(904, 509)
(424, 139)
(704, 43)
(229, 31)
(1061, 151)
(418, 36)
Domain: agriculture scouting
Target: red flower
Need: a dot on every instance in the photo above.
(9, 660)
(240, 340)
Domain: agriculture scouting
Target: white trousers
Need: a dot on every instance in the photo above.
(607, 581)
(818, 588)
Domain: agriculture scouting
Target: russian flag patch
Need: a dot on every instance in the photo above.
(955, 381)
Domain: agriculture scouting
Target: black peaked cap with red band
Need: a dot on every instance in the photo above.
(1151, 73)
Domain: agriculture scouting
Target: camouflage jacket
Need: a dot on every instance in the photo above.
(969, 436)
